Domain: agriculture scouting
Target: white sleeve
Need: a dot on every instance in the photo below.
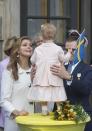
(0, 82)
(6, 91)
(64, 57)
(1, 70)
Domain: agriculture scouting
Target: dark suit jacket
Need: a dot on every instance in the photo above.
(81, 86)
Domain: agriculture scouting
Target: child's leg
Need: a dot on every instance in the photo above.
(58, 105)
(44, 108)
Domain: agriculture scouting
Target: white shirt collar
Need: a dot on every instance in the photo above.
(21, 70)
(74, 65)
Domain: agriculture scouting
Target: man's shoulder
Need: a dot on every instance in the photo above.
(85, 66)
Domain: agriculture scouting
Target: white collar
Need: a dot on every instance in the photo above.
(74, 65)
(21, 70)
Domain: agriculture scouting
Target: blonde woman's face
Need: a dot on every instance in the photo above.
(25, 48)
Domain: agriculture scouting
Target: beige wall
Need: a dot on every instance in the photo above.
(2, 24)
(10, 13)
(86, 23)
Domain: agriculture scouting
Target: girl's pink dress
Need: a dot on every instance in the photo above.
(46, 86)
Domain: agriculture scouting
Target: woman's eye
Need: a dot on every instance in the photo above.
(24, 45)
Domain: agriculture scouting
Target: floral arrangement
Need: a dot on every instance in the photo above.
(70, 112)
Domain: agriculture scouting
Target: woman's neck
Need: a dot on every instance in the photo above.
(23, 62)
(48, 41)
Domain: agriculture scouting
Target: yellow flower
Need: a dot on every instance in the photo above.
(70, 112)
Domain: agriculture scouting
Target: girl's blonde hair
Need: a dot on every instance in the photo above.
(14, 58)
(48, 31)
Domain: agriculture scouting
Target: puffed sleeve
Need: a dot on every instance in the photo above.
(64, 57)
(6, 91)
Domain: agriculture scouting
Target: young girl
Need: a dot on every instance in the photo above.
(46, 87)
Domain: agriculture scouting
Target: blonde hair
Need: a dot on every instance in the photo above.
(48, 31)
(14, 58)
(9, 45)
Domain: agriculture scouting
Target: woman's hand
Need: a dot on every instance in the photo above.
(14, 114)
(59, 70)
(23, 113)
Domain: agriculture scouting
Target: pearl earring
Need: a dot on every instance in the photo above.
(18, 56)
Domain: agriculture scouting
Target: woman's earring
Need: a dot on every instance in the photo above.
(18, 56)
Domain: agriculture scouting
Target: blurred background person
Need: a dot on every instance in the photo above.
(38, 39)
(3, 64)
